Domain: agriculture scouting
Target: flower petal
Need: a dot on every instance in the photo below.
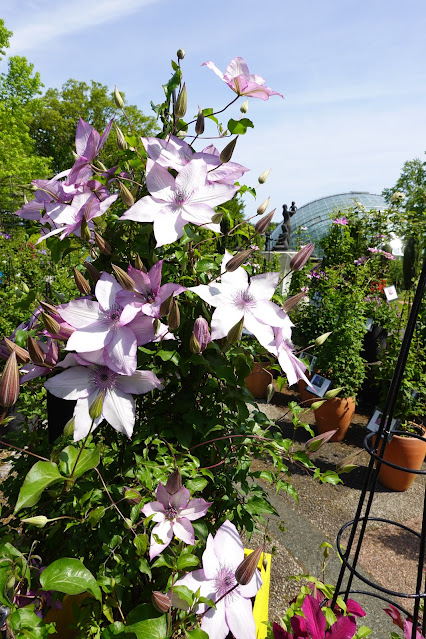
(119, 411)
(250, 590)
(93, 337)
(160, 183)
(144, 210)
(143, 328)
(213, 67)
(214, 622)
(168, 227)
(82, 419)
(120, 351)
(80, 313)
(224, 318)
(154, 508)
(164, 530)
(239, 618)
(184, 530)
(139, 383)
(106, 290)
(263, 332)
(195, 580)
(195, 509)
(263, 286)
(228, 546)
(162, 495)
(74, 383)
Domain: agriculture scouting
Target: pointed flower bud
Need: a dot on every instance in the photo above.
(244, 106)
(9, 382)
(126, 195)
(139, 265)
(238, 259)
(270, 392)
(262, 207)
(102, 244)
(174, 482)
(201, 334)
(93, 271)
(245, 571)
(194, 345)
(315, 443)
(166, 306)
(263, 176)
(156, 326)
(235, 332)
(124, 278)
(173, 319)
(331, 394)
(227, 152)
(160, 601)
(131, 495)
(121, 140)
(321, 339)
(22, 355)
(69, 427)
(181, 103)
(48, 308)
(85, 231)
(180, 54)
(292, 302)
(318, 404)
(36, 354)
(263, 224)
(81, 283)
(38, 520)
(95, 409)
(199, 125)
(119, 102)
(50, 324)
(301, 257)
(217, 218)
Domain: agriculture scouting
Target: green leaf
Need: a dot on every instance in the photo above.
(173, 83)
(71, 577)
(146, 623)
(364, 631)
(208, 113)
(144, 568)
(41, 476)
(329, 615)
(197, 634)
(205, 265)
(168, 356)
(96, 515)
(88, 459)
(257, 505)
(201, 530)
(25, 623)
(184, 594)
(187, 561)
(141, 544)
(239, 127)
(196, 485)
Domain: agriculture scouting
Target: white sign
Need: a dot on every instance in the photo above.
(320, 385)
(374, 423)
(390, 292)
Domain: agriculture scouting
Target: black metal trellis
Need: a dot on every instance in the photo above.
(369, 487)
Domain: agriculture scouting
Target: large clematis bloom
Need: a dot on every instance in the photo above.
(176, 201)
(173, 514)
(238, 78)
(236, 298)
(234, 613)
(290, 364)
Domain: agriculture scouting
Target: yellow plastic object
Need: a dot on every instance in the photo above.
(261, 602)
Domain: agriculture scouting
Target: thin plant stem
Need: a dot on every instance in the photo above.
(22, 450)
(113, 502)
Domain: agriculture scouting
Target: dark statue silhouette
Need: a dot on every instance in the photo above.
(283, 242)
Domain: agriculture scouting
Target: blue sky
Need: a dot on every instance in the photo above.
(353, 74)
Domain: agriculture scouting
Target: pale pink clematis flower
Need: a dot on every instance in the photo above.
(234, 613)
(235, 298)
(85, 383)
(173, 514)
(291, 365)
(175, 202)
(103, 325)
(343, 221)
(149, 293)
(238, 78)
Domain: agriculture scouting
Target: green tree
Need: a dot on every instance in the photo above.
(54, 123)
(4, 38)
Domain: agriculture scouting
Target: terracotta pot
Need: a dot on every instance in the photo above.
(403, 451)
(306, 397)
(258, 380)
(334, 414)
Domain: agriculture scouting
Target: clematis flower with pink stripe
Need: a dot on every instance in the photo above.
(236, 298)
(176, 201)
(238, 78)
(290, 364)
(173, 514)
(104, 325)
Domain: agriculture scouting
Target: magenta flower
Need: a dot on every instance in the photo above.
(175, 202)
(341, 220)
(238, 78)
(149, 293)
(235, 298)
(174, 514)
(85, 383)
(388, 256)
(104, 325)
(313, 624)
(234, 612)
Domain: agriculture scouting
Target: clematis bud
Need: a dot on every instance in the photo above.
(9, 382)
(247, 568)
(25, 288)
(331, 394)
(121, 140)
(194, 345)
(174, 482)
(166, 306)
(22, 355)
(263, 176)
(173, 319)
(181, 103)
(93, 271)
(69, 427)
(85, 231)
(119, 102)
(102, 244)
(315, 443)
(180, 54)
(238, 259)
(199, 125)
(347, 464)
(101, 165)
(139, 265)
(160, 601)
(50, 324)
(244, 106)
(301, 257)
(292, 302)
(95, 409)
(263, 224)
(201, 334)
(126, 195)
(131, 495)
(262, 207)
(217, 218)
(227, 152)
(124, 278)
(48, 308)
(235, 332)
(318, 404)
(156, 326)
(39, 520)
(321, 339)
(270, 391)
(36, 354)
(81, 283)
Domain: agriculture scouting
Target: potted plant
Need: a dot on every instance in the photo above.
(406, 448)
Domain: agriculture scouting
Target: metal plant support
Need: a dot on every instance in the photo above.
(368, 491)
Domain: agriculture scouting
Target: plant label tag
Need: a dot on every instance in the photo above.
(320, 385)
(390, 292)
(368, 324)
(374, 423)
